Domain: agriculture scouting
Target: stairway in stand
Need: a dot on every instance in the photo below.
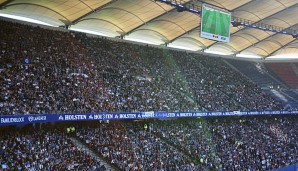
(90, 152)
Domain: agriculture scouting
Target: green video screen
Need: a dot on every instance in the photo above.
(215, 24)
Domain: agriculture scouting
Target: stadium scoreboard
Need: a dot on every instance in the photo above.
(215, 23)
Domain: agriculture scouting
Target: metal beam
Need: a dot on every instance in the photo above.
(281, 3)
(227, 45)
(251, 36)
(251, 14)
(102, 20)
(266, 18)
(262, 49)
(281, 47)
(220, 5)
(154, 1)
(240, 51)
(5, 3)
(274, 34)
(141, 25)
(92, 11)
(274, 41)
(163, 20)
(281, 20)
(242, 5)
(155, 32)
(292, 47)
(244, 38)
(41, 7)
(191, 38)
(179, 36)
(86, 5)
(116, 8)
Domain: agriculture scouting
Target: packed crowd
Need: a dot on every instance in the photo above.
(252, 143)
(191, 137)
(43, 149)
(218, 87)
(256, 144)
(130, 147)
(44, 71)
(225, 144)
(139, 78)
(48, 71)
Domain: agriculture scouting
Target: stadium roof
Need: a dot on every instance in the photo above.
(154, 22)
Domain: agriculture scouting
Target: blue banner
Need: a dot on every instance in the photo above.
(289, 168)
(40, 118)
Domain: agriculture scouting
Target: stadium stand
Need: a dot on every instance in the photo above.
(286, 72)
(216, 143)
(266, 78)
(235, 144)
(42, 149)
(257, 72)
(291, 96)
(71, 72)
(129, 146)
(46, 71)
(248, 143)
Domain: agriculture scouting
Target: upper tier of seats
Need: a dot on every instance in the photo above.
(48, 71)
(287, 72)
(257, 72)
(277, 79)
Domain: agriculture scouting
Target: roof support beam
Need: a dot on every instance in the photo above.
(267, 17)
(244, 38)
(179, 36)
(226, 45)
(155, 32)
(251, 14)
(104, 21)
(281, 3)
(281, 20)
(287, 44)
(141, 25)
(163, 20)
(219, 5)
(191, 38)
(154, 1)
(275, 42)
(242, 5)
(262, 49)
(240, 51)
(86, 5)
(5, 3)
(116, 8)
(292, 47)
(67, 21)
(251, 36)
(266, 38)
(92, 11)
